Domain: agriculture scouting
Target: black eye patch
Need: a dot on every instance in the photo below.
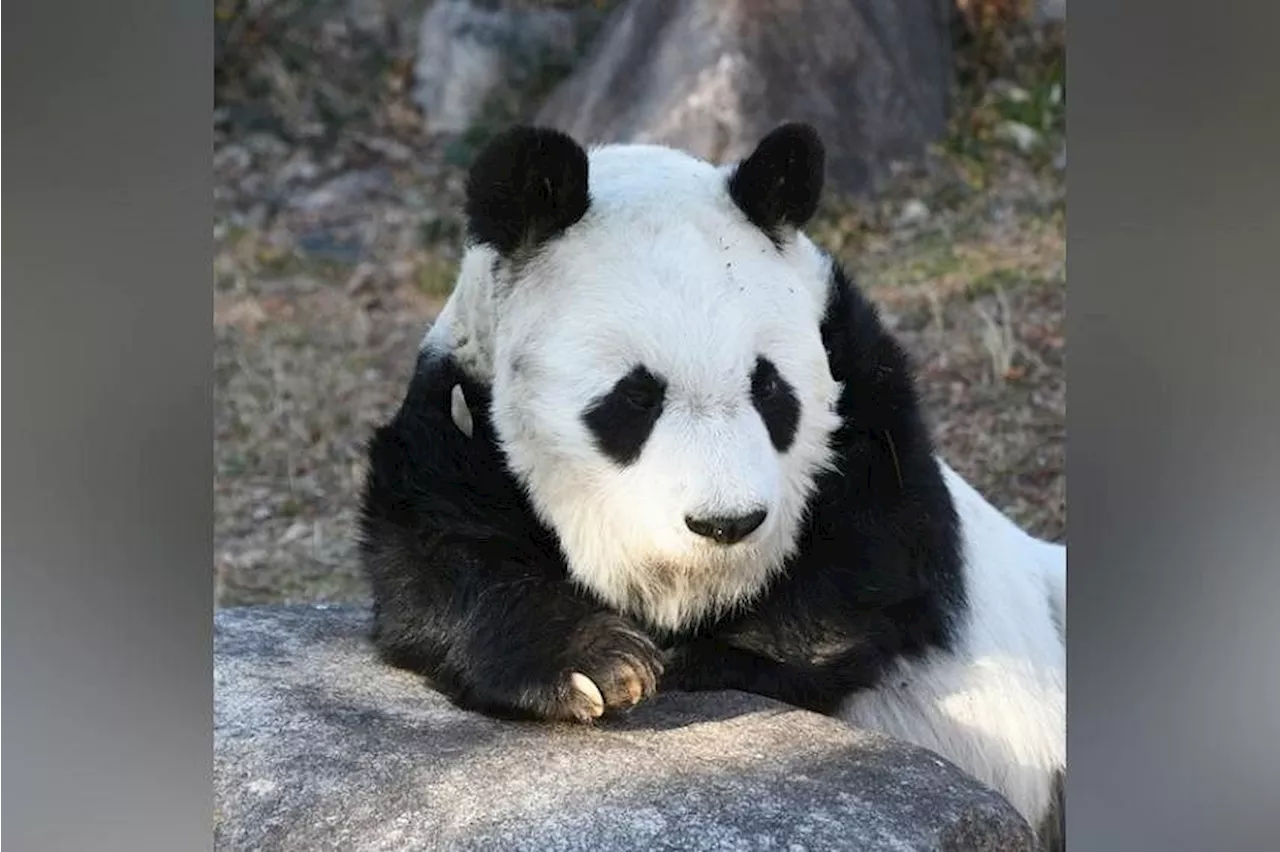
(622, 419)
(776, 402)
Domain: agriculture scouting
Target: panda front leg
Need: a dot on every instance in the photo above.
(508, 643)
(539, 650)
(712, 664)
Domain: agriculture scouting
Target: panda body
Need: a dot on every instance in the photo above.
(658, 440)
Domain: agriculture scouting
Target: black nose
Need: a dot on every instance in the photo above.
(726, 530)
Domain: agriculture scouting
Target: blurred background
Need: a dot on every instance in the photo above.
(343, 130)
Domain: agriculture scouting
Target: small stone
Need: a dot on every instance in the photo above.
(344, 190)
(914, 212)
(296, 532)
(389, 148)
(297, 169)
(362, 278)
(1009, 92)
(1024, 138)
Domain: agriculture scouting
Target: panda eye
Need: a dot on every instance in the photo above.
(622, 419)
(776, 401)
(765, 387)
(765, 383)
(642, 396)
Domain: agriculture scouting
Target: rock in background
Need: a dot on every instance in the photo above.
(713, 76)
(320, 746)
(1051, 10)
(486, 56)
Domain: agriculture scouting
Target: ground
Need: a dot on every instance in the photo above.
(334, 248)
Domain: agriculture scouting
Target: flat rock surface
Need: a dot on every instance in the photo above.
(319, 746)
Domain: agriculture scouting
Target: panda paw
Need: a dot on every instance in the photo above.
(614, 666)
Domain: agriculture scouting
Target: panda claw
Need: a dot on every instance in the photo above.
(588, 689)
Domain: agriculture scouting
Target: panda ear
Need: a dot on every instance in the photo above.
(525, 187)
(778, 186)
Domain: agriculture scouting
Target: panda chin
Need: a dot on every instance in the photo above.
(672, 595)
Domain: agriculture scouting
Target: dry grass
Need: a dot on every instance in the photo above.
(303, 371)
(978, 294)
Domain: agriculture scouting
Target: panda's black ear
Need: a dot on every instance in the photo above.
(525, 187)
(778, 186)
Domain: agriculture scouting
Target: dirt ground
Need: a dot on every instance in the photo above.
(333, 254)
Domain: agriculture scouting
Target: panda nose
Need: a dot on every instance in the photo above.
(726, 529)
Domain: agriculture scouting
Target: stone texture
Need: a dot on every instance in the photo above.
(713, 76)
(1050, 11)
(473, 51)
(318, 746)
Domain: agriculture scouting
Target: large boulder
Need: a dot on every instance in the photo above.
(319, 746)
(713, 76)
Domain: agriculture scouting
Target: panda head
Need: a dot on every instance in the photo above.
(650, 327)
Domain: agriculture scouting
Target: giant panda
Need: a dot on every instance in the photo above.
(657, 439)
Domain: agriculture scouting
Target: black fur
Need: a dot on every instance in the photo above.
(622, 419)
(527, 186)
(471, 588)
(776, 401)
(779, 185)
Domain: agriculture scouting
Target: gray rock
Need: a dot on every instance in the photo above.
(1021, 136)
(713, 76)
(914, 212)
(1050, 11)
(319, 746)
(344, 191)
(472, 51)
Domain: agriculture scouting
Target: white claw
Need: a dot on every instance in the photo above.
(459, 410)
(587, 687)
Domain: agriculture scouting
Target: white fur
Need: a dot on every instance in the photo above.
(997, 706)
(664, 271)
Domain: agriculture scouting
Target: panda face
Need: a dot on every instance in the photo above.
(660, 386)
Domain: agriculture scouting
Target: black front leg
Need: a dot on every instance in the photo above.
(512, 643)
(538, 650)
(712, 664)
